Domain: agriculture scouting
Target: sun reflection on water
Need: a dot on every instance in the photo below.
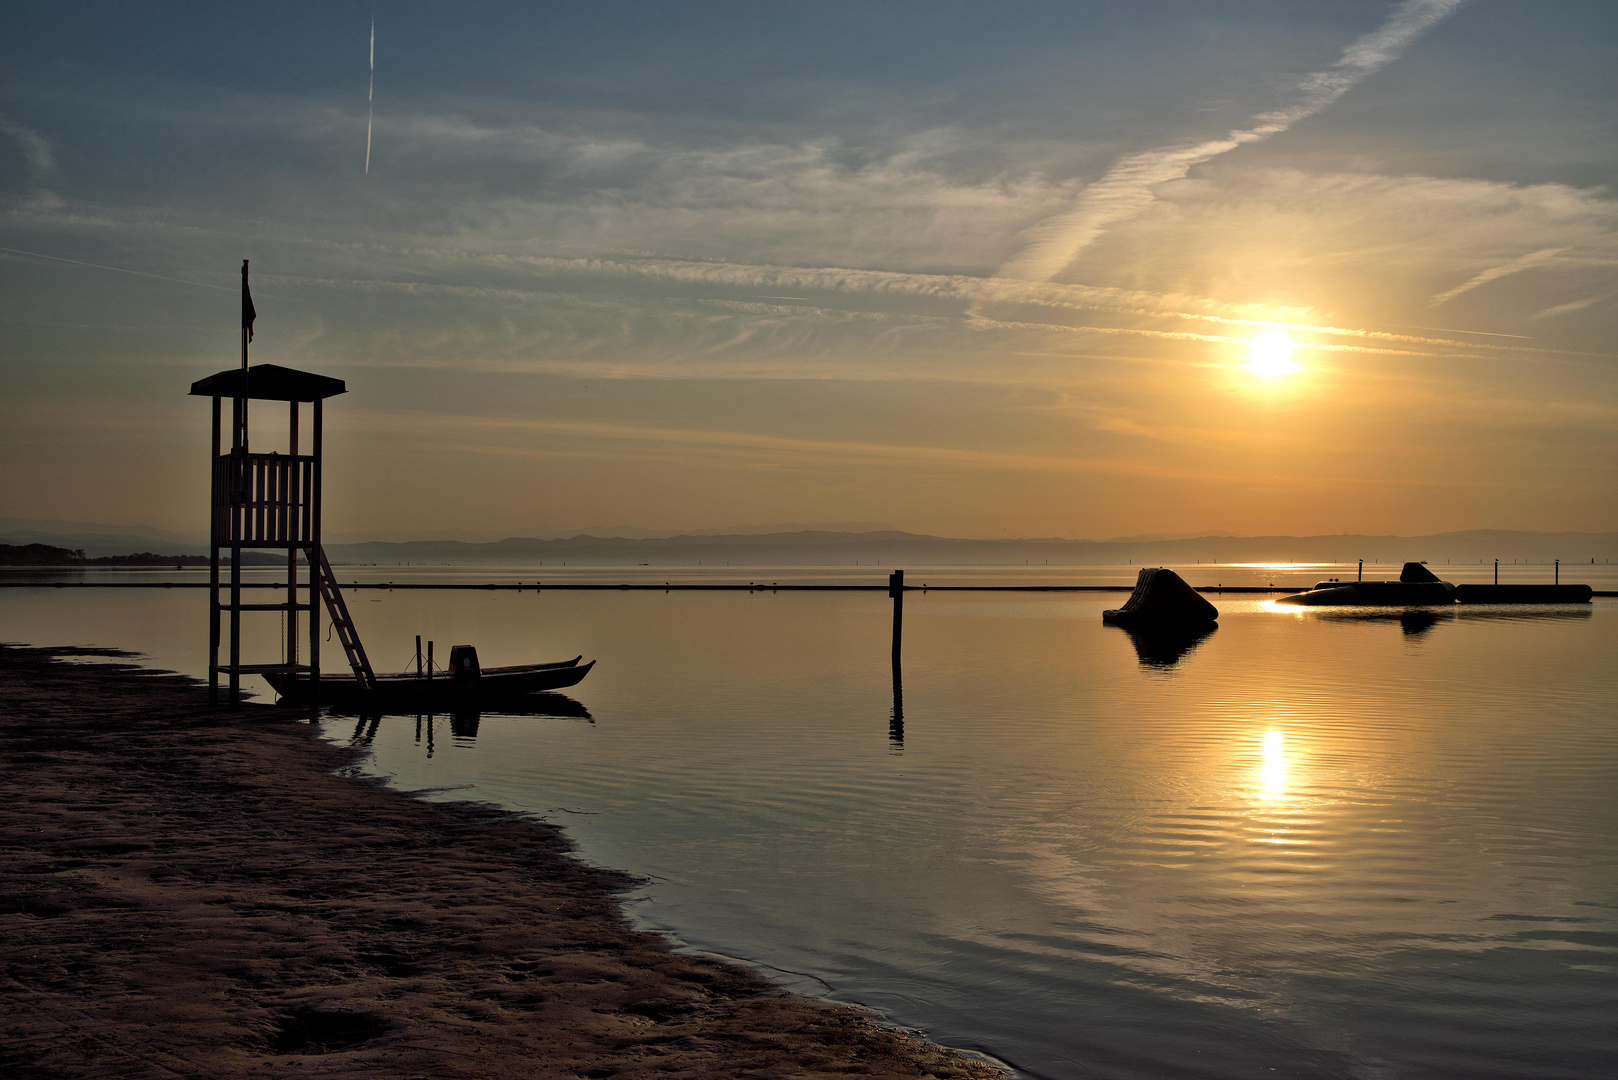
(1272, 769)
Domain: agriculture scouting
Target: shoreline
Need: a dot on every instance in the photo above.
(195, 891)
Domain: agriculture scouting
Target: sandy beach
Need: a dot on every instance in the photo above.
(192, 891)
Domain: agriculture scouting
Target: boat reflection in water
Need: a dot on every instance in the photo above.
(464, 723)
(1413, 621)
(1417, 621)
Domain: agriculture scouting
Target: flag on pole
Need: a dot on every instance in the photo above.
(248, 314)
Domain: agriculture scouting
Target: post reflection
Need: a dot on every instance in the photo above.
(429, 725)
(365, 729)
(896, 718)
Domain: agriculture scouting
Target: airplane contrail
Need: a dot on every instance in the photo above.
(370, 101)
(1125, 189)
(122, 270)
(1494, 273)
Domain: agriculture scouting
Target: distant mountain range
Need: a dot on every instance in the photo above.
(850, 545)
(99, 539)
(635, 532)
(894, 548)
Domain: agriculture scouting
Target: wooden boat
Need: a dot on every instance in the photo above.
(459, 687)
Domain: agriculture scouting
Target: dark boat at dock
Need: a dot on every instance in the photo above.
(1417, 587)
(1420, 587)
(460, 686)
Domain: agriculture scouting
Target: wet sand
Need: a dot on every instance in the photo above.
(191, 891)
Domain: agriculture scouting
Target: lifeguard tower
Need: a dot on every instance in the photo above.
(270, 501)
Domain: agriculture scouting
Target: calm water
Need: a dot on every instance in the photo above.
(1313, 843)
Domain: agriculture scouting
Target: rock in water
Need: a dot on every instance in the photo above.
(1162, 598)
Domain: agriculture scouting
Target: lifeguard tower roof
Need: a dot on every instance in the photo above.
(269, 382)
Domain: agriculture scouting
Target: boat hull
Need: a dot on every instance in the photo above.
(412, 691)
(1376, 594)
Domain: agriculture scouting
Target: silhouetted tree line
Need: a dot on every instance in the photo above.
(50, 555)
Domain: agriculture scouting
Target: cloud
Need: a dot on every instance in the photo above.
(972, 292)
(33, 147)
(1271, 234)
(1361, 248)
(1570, 307)
(41, 164)
(1127, 187)
(748, 447)
(853, 280)
(1495, 273)
(585, 185)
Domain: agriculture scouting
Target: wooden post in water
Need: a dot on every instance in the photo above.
(1497, 571)
(1558, 571)
(896, 589)
(418, 656)
(1361, 576)
(896, 720)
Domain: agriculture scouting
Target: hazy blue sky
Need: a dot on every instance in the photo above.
(974, 268)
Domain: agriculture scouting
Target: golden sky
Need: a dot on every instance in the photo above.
(1070, 269)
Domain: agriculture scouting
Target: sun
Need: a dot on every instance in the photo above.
(1271, 356)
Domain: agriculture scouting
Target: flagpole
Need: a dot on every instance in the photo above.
(247, 335)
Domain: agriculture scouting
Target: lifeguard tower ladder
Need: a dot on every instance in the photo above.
(270, 501)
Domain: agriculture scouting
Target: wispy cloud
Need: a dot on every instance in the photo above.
(981, 323)
(972, 291)
(853, 280)
(1570, 307)
(33, 147)
(746, 447)
(1454, 216)
(1495, 273)
(1126, 188)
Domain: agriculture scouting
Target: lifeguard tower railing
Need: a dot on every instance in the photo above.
(267, 499)
(270, 501)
